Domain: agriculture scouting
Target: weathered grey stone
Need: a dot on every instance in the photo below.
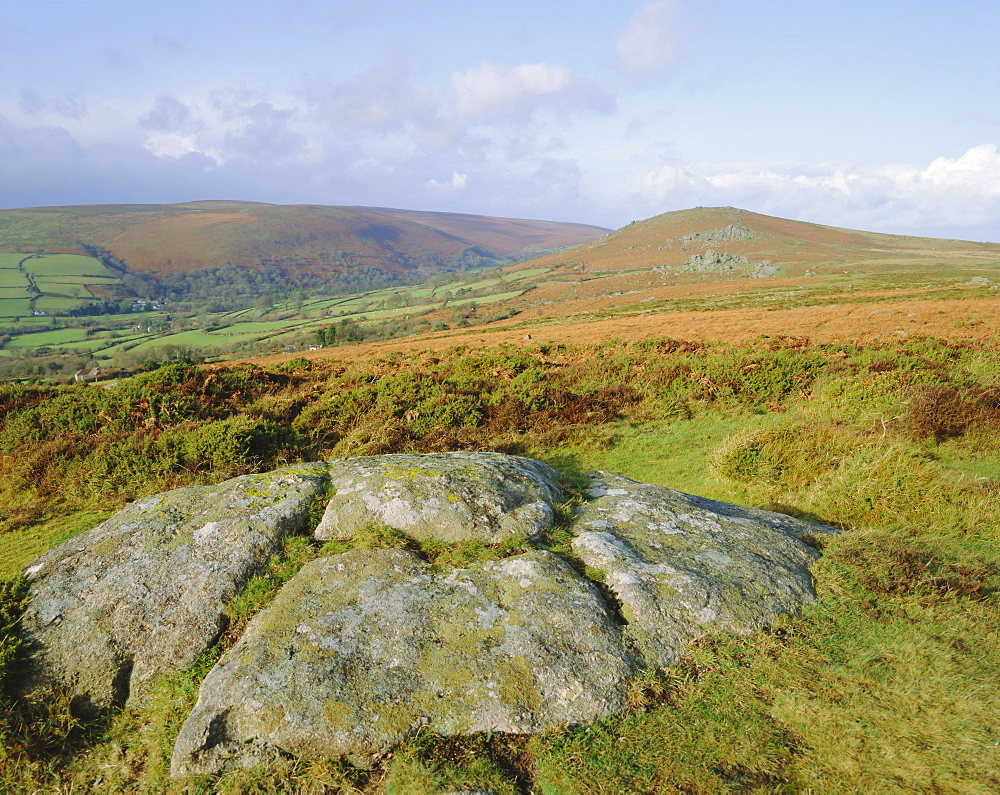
(723, 234)
(145, 591)
(361, 649)
(442, 496)
(719, 262)
(683, 565)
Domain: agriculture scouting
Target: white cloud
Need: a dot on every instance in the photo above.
(178, 145)
(647, 43)
(382, 100)
(947, 195)
(227, 126)
(457, 182)
(514, 92)
(977, 171)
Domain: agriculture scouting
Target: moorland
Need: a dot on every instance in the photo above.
(841, 377)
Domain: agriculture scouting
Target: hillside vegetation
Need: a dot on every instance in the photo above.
(306, 244)
(121, 285)
(838, 376)
(708, 273)
(888, 683)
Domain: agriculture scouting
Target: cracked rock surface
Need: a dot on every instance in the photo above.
(362, 649)
(442, 496)
(683, 565)
(145, 591)
(359, 650)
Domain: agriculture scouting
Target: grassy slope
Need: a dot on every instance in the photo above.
(607, 278)
(793, 245)
(164, 238)
(886, 684)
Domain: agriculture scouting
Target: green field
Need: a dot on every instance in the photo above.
(64, 277)
(71, 279)
(55, 305)
(109, 347)
(14, 307)
(259, 327)
(528, 273)
(13, 278)
(56, 337)
(59, 288)
(195, 339)
(491, 299)
(68, 265)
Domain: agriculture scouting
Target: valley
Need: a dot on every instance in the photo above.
(706, 274)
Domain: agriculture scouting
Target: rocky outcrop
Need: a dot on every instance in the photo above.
(723, 234)
(720, 262)
(363, 648)
(682, 565)
(145, 591)
(446, 497)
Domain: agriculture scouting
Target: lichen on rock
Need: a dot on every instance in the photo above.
(362, 649)
(446, 497)
(145, 591)
(359, 650)
(683, 565)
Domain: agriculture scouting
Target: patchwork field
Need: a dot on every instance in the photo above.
(51, 283)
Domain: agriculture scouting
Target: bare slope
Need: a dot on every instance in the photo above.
(158, 239)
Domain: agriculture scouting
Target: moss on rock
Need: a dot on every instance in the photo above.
(364, 648)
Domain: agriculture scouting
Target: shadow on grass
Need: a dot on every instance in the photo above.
(573, 475)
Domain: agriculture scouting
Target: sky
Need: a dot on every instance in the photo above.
(881, 115)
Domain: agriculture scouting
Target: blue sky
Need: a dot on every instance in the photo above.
(881, 115)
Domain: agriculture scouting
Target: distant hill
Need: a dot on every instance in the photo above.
(722, 243)
(707, 257)
(300, 241)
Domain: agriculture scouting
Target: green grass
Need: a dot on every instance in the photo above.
(888, 683)
(9, 259)
(259, 328)
(71, 279)
(14, 307)
(56, 265)
(78, 291)
(56, 337)
(197, 338)
(55, 305)
(11, 279)
(529, 273)
(19, 548)
(667, 453)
